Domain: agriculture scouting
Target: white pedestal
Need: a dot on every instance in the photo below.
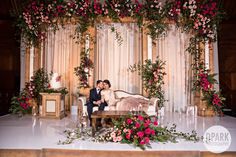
(74, 110)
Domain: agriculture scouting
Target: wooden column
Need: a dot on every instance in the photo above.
(144, 50)
(27, 64)
(37, 58)
(211, 60)
(92, 46)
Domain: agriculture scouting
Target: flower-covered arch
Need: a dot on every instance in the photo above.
(199, 17)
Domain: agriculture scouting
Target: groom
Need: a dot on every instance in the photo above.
(95, 99)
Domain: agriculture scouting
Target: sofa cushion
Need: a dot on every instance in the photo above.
(131, 103)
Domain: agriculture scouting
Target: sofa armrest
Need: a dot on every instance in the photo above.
(84, 107)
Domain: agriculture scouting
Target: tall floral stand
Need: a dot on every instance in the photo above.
(203, 110)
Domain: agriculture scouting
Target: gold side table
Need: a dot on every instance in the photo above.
(53, 105)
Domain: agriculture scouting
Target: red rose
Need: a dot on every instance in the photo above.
(129, 121)
(127, 136)
(155, 123)
(148, 131)
(140, 117)
(140, 134)
(146, 140)
(137, 125)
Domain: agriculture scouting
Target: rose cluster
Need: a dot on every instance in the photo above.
(139, 130)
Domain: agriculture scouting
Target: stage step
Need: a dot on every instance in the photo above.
(105, 153)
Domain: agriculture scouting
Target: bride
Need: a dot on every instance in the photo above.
(122, 104)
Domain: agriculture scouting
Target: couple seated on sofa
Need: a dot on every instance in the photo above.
(102, 96)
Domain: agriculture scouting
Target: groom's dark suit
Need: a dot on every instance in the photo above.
(94, 95)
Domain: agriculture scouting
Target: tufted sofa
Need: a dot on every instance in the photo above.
(152, 103)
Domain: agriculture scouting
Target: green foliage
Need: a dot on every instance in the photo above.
(20, 104)
(152, 74)
(83, 71)
(39, 83)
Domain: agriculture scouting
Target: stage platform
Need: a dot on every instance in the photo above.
(39, 137)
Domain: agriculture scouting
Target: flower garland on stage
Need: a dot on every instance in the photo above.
(199, 17)
(137, 130)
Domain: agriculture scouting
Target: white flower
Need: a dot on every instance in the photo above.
(86, 70)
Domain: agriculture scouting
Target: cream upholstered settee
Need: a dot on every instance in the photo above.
(152, 103)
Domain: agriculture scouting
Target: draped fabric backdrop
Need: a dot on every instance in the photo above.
(112, 59)
(172, 49)
(62, 54)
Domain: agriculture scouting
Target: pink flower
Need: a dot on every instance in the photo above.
(140, 117)
(216, 100)
(155, 123)
(142, 142)
(118, 138)
(137, 125)
(146, 140)
(153, 132)
(129, 121)
(127, 136)
(113, 134)
(148, 131)
(129, 131)
(140, 134)
(147, 122)
(114, 139)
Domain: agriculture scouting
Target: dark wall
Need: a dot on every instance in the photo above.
(9, 58)
(227, 56)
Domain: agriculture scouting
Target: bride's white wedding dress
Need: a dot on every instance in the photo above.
(123, 104)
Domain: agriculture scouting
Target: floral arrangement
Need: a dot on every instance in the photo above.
(152, 74)
(83, 71)
(138, 130)
(38, 15)
(199, 17)
(20, 104)
(204, 82)
(39, 83)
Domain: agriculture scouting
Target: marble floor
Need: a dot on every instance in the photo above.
(30, 132)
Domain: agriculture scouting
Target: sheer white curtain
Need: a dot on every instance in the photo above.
(62, 54)
(113, 60)
(172, 49)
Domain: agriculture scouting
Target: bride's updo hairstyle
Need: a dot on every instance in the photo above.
(107, 82)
